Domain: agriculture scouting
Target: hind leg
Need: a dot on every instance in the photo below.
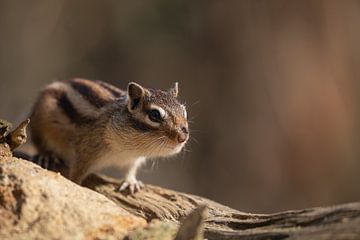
(79, 171)
(51, 132)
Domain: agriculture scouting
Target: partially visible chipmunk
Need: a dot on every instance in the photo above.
(91, 125)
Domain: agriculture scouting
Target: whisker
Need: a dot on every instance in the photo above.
(193, 139)
(192, 118)
(195, 103)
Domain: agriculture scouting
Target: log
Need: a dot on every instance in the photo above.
(333, 222)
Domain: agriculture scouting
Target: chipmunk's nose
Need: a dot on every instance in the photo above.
(183, 134)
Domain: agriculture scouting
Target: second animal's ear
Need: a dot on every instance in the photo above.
(174, 91)
(136, 94)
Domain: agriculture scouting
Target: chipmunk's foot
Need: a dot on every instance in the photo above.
(133, 185)
(50, 161)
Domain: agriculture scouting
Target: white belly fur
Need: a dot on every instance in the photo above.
(115, 157)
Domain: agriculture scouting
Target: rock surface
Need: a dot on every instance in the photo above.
(39, 204)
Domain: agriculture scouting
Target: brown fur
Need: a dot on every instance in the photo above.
(94, 93)
(88, 124)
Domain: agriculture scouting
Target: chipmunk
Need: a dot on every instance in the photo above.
(91, 125)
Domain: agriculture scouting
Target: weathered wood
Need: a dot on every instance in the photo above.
(9, 140)
(18, 136)
(192, 227)
(336, 222)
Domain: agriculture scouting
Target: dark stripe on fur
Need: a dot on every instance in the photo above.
(112, 89)
(140, 126)
(67, 107)
(71, 112)
(89, 93)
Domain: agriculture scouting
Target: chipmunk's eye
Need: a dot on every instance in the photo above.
(155, 115)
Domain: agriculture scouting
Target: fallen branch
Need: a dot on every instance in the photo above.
(342, 221)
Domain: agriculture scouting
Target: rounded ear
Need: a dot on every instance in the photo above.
(174, 91)
(136, 94)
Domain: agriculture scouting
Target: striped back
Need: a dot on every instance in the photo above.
(81, 100)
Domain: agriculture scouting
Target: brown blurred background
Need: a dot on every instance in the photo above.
(271, 86)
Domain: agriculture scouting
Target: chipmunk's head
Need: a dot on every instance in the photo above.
(159, 119)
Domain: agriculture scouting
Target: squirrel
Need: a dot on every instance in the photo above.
(90, 125)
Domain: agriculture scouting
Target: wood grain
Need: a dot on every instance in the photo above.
(335, 222)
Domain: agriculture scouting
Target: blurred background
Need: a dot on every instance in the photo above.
(271, 86)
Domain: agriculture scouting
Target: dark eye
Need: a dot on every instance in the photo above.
(155, 115)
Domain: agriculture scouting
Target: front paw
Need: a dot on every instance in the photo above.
(133, 185)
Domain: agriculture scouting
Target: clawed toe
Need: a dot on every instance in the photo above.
(133, 186)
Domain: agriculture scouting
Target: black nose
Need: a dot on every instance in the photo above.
(185, 130)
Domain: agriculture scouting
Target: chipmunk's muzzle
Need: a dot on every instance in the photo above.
(182, 134)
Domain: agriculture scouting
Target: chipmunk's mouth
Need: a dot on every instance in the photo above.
(171, 148)
(178, 147)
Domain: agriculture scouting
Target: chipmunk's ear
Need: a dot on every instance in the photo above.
(174, 91)
(136, 94)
